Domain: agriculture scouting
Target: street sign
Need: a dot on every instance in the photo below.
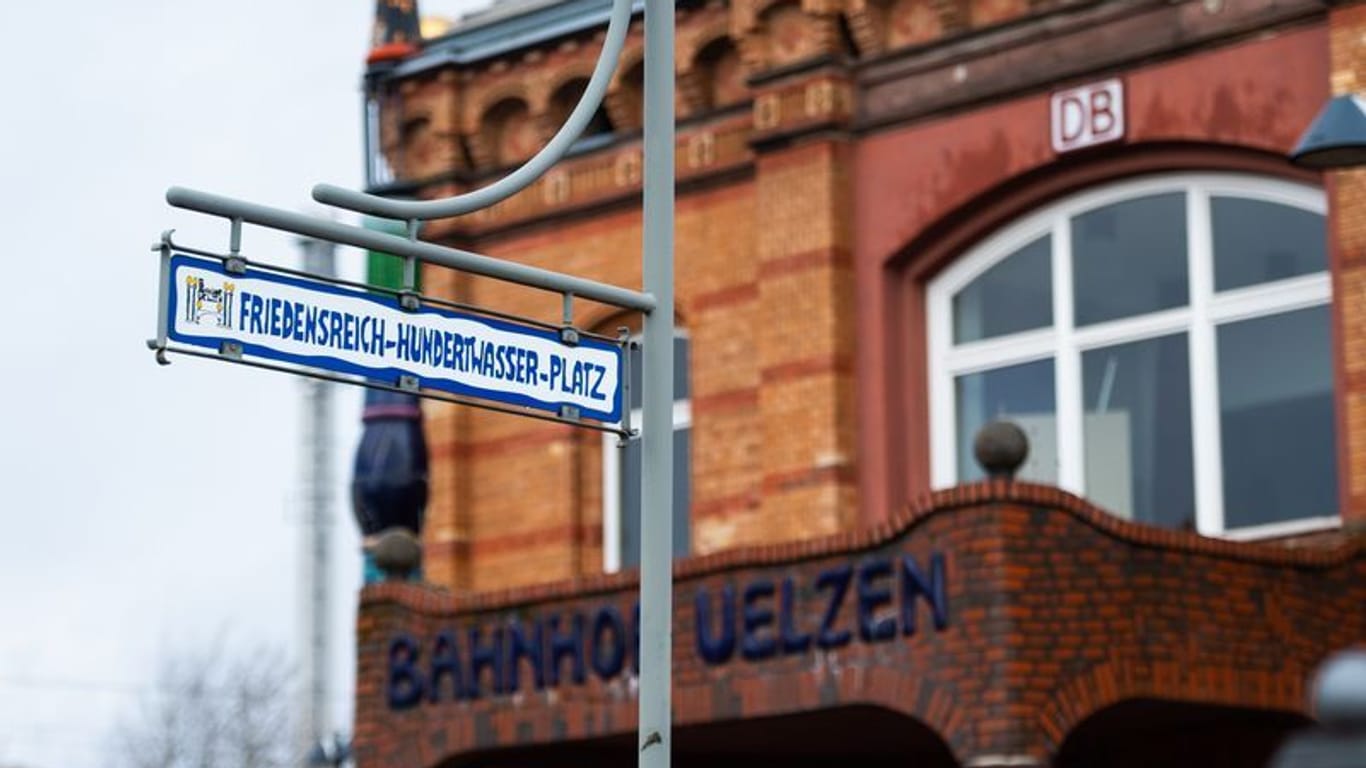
(345, 330)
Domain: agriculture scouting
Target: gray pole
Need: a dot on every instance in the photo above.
(319, 259)
(656, 495)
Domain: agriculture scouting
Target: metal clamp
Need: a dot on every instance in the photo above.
(234, 263)
(165, 247)
(160, 351)
(569, 335)
(624, 340)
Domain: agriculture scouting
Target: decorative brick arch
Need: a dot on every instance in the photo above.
(966, 223)
(552, 85)
(696, 40)
(633, 56)
(1120, 679)
(692, 85)
(484, 138)
(624, 100)
(902, 692)
(747, 15)
(866, 20)
(487, 99)
(692, 740)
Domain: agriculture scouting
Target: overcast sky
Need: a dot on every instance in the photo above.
(147, 510)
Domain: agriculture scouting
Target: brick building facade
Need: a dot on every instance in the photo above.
(896, 220)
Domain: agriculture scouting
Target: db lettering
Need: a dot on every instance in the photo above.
(1086, 116)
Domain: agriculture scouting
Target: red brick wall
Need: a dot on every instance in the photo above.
(1055, 610)
(1347, 216)
(803, 246)
(764, 291)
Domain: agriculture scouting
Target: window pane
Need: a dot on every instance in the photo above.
(630, 504)
(1020, 393)
(1137, 431)
(682, 492)
(1129, 258)
(1256, 242)
(1276, 418)
(681, 363)
(630, 498)
(1014, 295)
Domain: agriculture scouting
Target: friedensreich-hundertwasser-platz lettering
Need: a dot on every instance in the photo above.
(287, 318)
(768, 617)
(403, 342)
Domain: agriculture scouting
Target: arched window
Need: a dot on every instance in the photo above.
(723, 74)
(563, 101)
(621, 472)
(509, 132)
(1164, 342)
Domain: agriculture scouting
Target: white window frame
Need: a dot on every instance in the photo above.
(611, 477)
(1063, 342)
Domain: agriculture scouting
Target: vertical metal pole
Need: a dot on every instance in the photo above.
(318, 258)
(656, 508)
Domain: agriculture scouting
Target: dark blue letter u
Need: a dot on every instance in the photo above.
(715, 650)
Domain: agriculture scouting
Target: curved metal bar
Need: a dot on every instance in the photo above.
(519, 179)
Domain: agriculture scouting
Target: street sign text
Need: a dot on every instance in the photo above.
(344, 330)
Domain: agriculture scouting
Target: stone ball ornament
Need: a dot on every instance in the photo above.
(1001, 448)
(1338, 700)
(1340, 691)
(397, 553)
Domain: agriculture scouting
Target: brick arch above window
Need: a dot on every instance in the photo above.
(508, 133)
(692, 41)
(625, 94)
(956, 228)
(893, 388)
(484, 100)
(563, 78)
(721, 74)
(562, 101)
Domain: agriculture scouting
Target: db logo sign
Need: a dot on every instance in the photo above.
(1089, 115)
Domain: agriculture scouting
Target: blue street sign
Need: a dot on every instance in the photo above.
(350, 331)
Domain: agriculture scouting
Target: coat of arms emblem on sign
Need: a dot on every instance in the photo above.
(204, 301)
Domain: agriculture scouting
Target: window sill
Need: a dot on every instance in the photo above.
(1283, 530)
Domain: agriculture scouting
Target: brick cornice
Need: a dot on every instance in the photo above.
(1020, 58)
(431, 600)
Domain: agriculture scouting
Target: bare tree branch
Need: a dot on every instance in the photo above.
(212, 709)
